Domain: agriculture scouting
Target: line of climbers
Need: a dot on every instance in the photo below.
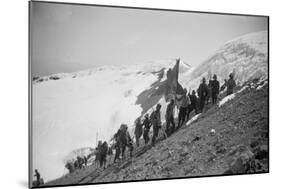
(79, 163)
(187, 104)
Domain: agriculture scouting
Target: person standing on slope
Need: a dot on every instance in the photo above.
(110, 153)
(117, 145)
(125, 140)
(104, 151)
(156, 123)
(38, 177)
(193, 104)
(170, 123)
(215, 89)
(98, 152)
(80, 162)
(69, 166)
(147, 125)
(202, 93)
(184, 102)
(138, 131)
(230, 85)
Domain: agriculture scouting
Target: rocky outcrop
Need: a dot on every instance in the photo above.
(246, 160)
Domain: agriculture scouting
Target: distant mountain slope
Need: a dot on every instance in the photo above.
(246, 56)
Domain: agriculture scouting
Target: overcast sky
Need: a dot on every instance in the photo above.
(68, 38)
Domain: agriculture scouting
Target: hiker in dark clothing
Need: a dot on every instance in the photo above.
(156, 123)
(170, 118)
(124, 140)
(138, 131)
(80, 162)
(128, 142)
(202, 93)
(103, 154)
(69, 166)
(117, 152)
(39, 181)
(215, 89)
(110, 153)
(147, 125)
(76, 164)
(193, 104)
(230, 85)
(117, 146)
(97, 153)
(184, 102)
(209, 91)
(38, 176)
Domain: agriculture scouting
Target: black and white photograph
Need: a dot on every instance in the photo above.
(124, 94)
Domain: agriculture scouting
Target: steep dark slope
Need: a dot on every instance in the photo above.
(237, 145)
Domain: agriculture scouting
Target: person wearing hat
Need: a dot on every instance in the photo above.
(202, 93)
(156, 123)
(147, 125)
(215, 89)
(230, 85)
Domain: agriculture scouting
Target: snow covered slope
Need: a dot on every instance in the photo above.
(246, 56)
(70, 109)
